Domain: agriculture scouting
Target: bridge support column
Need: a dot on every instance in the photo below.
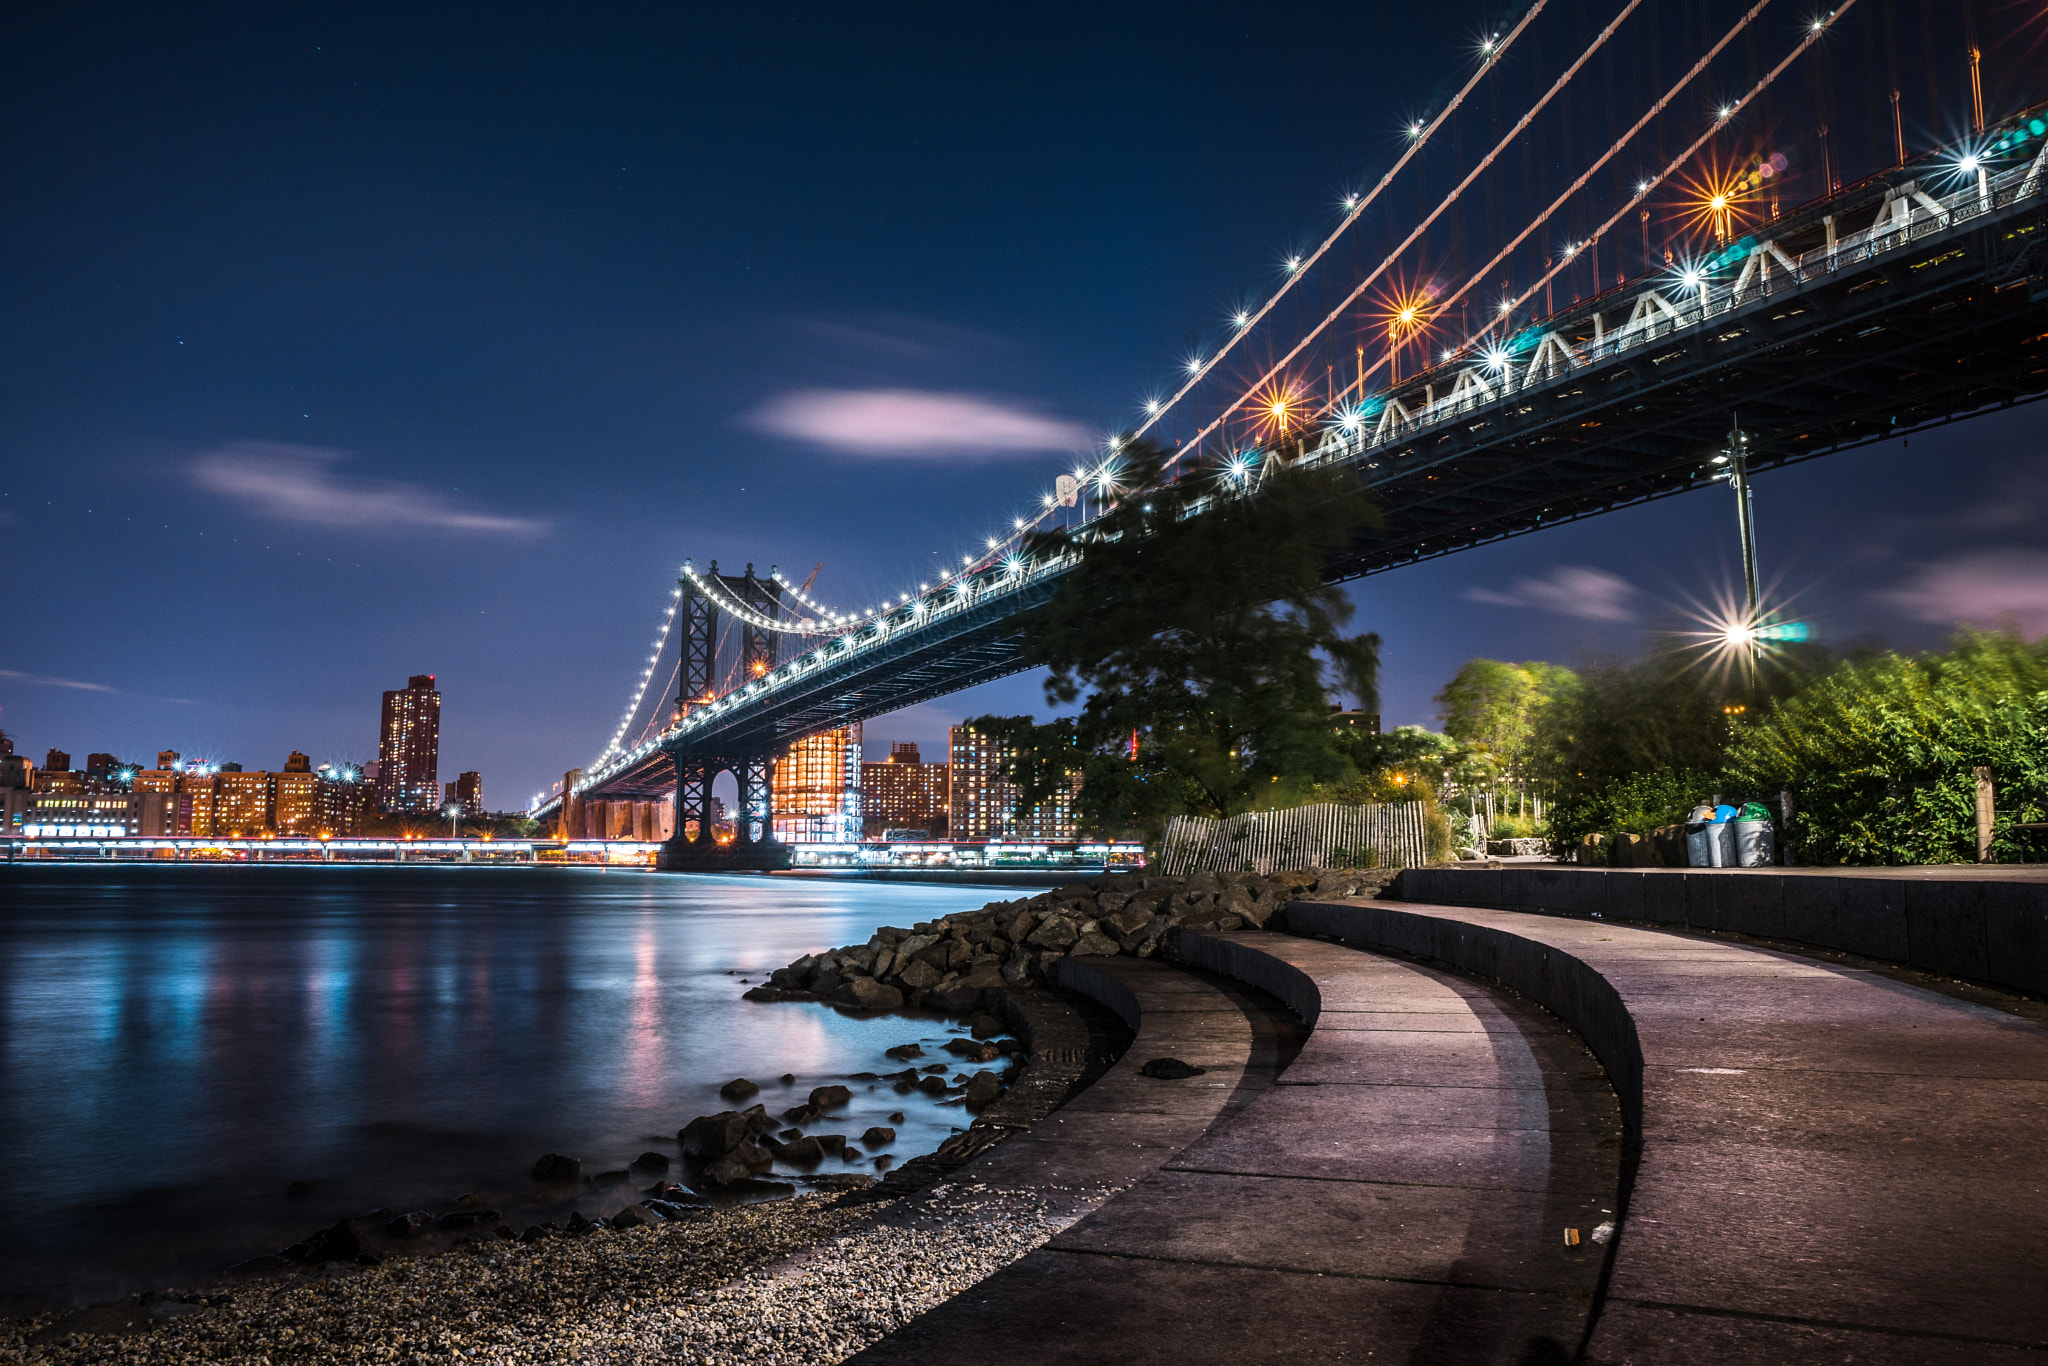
(694, 846)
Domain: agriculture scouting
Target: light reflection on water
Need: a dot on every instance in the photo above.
(177, 1044)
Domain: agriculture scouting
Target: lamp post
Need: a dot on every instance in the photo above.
(454, 818)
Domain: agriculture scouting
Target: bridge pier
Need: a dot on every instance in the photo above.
(694, 847)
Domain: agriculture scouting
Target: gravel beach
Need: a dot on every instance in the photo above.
(807, 1280)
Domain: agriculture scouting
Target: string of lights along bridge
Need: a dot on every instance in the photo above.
(1635, 237)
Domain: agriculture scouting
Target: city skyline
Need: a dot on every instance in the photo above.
(379, 402)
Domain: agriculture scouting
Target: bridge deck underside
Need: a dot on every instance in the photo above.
(1920, 338)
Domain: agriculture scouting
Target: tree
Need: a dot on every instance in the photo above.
(1197, 631)
(1493, 706)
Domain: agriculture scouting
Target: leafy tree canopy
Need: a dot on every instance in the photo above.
(1493, 706)
(1198, 633)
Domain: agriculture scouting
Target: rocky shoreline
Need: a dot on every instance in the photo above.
(668, 1275)
(963, 962)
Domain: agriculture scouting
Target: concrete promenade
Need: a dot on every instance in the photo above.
(1834, 1165)
(1401, 1194)
(1800, 1162)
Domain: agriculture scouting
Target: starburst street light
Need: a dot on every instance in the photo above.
(1194, 365)
(1240, 318)
(1293, 264)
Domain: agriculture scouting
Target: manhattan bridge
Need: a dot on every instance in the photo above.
(1611, 264)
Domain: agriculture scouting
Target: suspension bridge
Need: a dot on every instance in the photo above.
(1759, 335)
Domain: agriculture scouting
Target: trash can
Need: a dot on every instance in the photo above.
(1755, 841)
(1699, 845)
(1721, 835)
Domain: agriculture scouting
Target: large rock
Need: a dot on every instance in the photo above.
(1057, 932)
(982, 1090)
(803, 1152)
(971, 1050)
(904, 1052)
(1094, 943)
(651, 1162)
(409, 1225)
(830, 1097)
(744, 1161)
(920, 976)
(716, 1135)
(635, 1216)
(739, 1088)
(865, 993)
(556, 1169)
(878, 1137)
(344, 1242)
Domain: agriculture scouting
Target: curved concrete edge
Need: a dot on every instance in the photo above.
(1123, 1126)
(1565, 986)
(1253, 966)
(1980, 923)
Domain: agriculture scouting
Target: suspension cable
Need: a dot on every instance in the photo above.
(1416, 143)
(1605, 157)
(1813, 35)
(668, 622)
(1599, 41)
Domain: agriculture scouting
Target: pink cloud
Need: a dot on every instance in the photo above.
(1568, 590)
(913, 422)
(1992, 588)
(296, 483)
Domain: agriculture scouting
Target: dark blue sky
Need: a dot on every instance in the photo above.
(346, 343)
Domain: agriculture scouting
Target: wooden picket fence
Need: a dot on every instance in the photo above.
(1323, 836)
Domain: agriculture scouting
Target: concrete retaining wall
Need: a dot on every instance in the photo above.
(1985, 928)
(1560, 983)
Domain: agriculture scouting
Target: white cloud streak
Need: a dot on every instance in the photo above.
(298, 484)
(913, 423)
(56, 682)
(1989, 588)
(1569, 591)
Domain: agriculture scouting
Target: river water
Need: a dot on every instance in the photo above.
(199, 1065)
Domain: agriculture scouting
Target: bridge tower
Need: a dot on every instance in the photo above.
(694, 842)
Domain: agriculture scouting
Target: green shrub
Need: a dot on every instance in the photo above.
(1516, 828)
(1879, 754)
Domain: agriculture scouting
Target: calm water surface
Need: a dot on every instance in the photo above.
(177, 1045)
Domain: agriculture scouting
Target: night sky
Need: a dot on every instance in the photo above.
(351, 342)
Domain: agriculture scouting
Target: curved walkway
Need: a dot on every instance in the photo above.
(1835, 1166)
(1402, 1192)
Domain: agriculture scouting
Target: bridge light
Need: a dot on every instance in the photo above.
(1350, 201)
(1152, 405)
(1293, 264)
(1725, 112)
(1498, 359)
(1240, 318)
(1691, 279)
(1415, 130)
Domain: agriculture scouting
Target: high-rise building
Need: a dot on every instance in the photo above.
(904, 793)
(466, 794)
(409, 748)
(57, 762)
(817, 789)
(984, 800)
